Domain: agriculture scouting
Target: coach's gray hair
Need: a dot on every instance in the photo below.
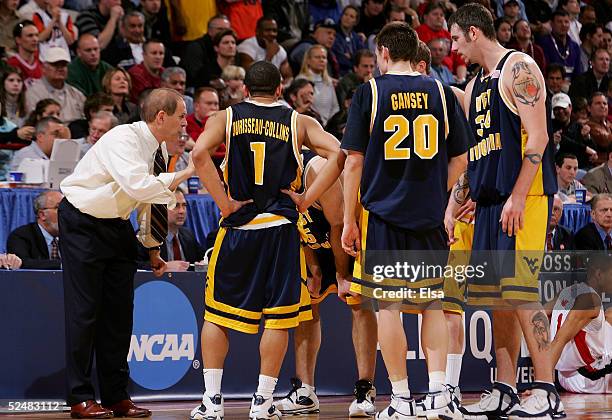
(171, 71)
(106, 114)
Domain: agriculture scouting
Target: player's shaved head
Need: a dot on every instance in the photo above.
(473, 15)
(162, 99)
(400, 39)
(262, 78)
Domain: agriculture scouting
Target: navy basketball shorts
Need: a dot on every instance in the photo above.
(387, 249)
(255, 274)
(511, 263)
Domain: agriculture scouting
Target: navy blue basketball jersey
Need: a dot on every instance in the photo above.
(262, 158)
(497, 152)
(408, 126)
(314, 224)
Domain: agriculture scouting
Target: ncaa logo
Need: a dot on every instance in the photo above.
(164, 336)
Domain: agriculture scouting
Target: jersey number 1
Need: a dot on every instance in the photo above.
(424, 132)
(259, 156)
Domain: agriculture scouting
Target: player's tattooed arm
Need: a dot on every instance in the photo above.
(461, 190)
(541, 330)
(526, 87)
(534, 158)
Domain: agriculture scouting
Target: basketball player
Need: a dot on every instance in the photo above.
(582, 332)
(330, 272)
(257, 268)
(511, 180)
(406, 144)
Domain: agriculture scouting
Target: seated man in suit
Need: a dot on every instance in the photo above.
(181, 247)
(597, 235)
(37, 244)
(558, 238)
(599, 180)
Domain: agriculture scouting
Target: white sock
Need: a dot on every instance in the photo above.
(212, 381)
(513, 388)
(309, 388)
(453, 368)
(436, 381)
(400, 388)
(266, 386)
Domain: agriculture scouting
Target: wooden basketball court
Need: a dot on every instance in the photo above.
(578, 407)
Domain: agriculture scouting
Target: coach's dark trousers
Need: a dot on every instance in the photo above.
(99, 262)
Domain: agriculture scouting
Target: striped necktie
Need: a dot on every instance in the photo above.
(159, 212)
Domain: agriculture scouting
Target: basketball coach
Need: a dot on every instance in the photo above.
(125, 170)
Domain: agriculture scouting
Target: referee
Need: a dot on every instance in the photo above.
(123, 171)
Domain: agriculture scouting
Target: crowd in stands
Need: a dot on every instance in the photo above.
(75, 69)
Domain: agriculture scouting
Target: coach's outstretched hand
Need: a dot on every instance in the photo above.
(351, 242)
(513, 214)
(158, 265)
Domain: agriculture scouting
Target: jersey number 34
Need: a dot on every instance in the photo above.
(424, 132)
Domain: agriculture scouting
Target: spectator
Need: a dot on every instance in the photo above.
(99, 124)
(324, 34)
(392, 14)
(587, 15)
(125, 50)
(314, 69)
(337, 123)
(10, 261)
(118, 83)
(26, 12)
(571, 136)
(292, 18)
(599, 180)
(44, 108)
(178, 157)
(188, 18)
(512, 11)
(539, 13)
(567, 166)
(324, 9)
(147, 75)
(264, 46)
(371, 17)
(300, 96)
(47, 130)
(596, 236)
(432, 28)
(591, 37)
(53, 85)
(55, 27)
(205, 103)
(97, 102)
(601, 133)
(101, 21)
(558, 238)
(26, 59)
(595, 79)
(235, 91)
(8, 20)
(87, 70)
(176, 78)
(181, 246)
(580, 111)
(224, 44)
(243, 15)
(503, 31)
(572, 7)
(199, 54)
(347, 42)
(12, 96)
(157, 25)
(37, 243)
(558, 46)
(11, 133)
(439, 50)
(365, 61)
(555, 78)
(523, 42)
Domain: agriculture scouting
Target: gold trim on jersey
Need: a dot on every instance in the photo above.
(228, 135)
(500, 87)
(374, 89)
(264, 220)
(297, 182)
(443, 96)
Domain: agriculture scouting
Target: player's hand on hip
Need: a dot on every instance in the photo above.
(158, 265)
(344, 287)
(234, 206)
(298, 199)
(351, 243)
(512, 216)
(449, 226)
(314, 281)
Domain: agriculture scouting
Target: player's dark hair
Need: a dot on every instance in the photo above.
(262, 78)
(476, 15)
(400, 39)
(560, 158)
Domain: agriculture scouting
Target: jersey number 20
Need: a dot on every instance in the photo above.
(424, 132)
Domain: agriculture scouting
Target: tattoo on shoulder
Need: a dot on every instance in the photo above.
(525, 85)
(534, 158)
(541, 330)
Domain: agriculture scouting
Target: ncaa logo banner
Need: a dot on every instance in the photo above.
(164, 337)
